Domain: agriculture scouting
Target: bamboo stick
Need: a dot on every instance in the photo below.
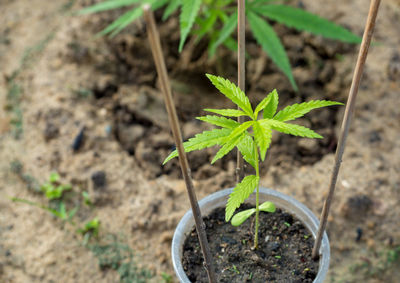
(362, 56)
(155, 45)
(241, 74)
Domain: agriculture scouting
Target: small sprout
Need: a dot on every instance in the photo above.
(86, 198)
(251, 276)
(166, 277)
(287, 224)
(278, 257)
(91, 229)
(274, 228)
(244, 241)
(306, 236)
(53, 189)
(306, 269)
(234, 269)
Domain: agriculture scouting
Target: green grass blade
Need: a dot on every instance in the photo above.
(124, 18)
(190, 9)
(219, 121)
(201, 141)
(297, 110)
(135, 14)
(107, 5)
(232, 92)
(271, 44)
(171, 8)
(240, 193)
(224, 34)
(291, 129)
(227, 112)
(262, 136)
(303, 20)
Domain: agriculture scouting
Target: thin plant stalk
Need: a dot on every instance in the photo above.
(362, 56)
(257, 163)
(241, 74)
(155, 45)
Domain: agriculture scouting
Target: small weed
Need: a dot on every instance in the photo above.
(287, 224)
(166, 277)
(234, 269)
(91, 229)
(53, 189)
(86, 199)
(119, 256)
(18, 169)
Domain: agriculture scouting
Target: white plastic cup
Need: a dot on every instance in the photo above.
(218, 199)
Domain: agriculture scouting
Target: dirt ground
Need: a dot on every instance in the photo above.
(57, 79)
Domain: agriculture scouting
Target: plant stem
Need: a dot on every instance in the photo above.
(241, 75)
(155, 45)
(362, 56)
(257, 197)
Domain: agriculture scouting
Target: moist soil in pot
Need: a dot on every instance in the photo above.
(283, 255)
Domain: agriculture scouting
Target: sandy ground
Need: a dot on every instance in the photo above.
(35, 247)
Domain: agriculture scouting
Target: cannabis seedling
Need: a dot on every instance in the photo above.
(217, 20)
(252, 138)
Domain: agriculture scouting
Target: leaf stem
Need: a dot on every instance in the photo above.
(257, 196)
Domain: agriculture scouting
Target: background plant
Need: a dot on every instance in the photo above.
(252, 138)
(217, 20)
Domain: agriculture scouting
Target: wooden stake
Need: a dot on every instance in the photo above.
(362, 56)
(155, 45)
(241, 74)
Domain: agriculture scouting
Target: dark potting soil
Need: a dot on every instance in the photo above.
(283, 255)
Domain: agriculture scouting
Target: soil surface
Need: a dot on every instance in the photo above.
(91, 109)
(283, 254)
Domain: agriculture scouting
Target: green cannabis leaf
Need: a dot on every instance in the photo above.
(190, 9)
(252, 138)
(218, 20)
(240, 193)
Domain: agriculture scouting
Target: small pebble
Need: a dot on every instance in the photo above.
(99, 179)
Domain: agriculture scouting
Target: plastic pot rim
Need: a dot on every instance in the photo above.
(281, 200)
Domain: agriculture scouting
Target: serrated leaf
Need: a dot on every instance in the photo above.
(229, 144)
(227, 112)
(219, 121)
(295, 111)
(107, 5)
(270, 108)
(171, 8)
(303, 20)
(189, 11)
(267, 101)
(225, 32)
(267, 207)
(232, 92)
(246, 148)
(271, 44)
(292, 129)
(262, 136)
(201, 141)
(239, 194)
(242, 216)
